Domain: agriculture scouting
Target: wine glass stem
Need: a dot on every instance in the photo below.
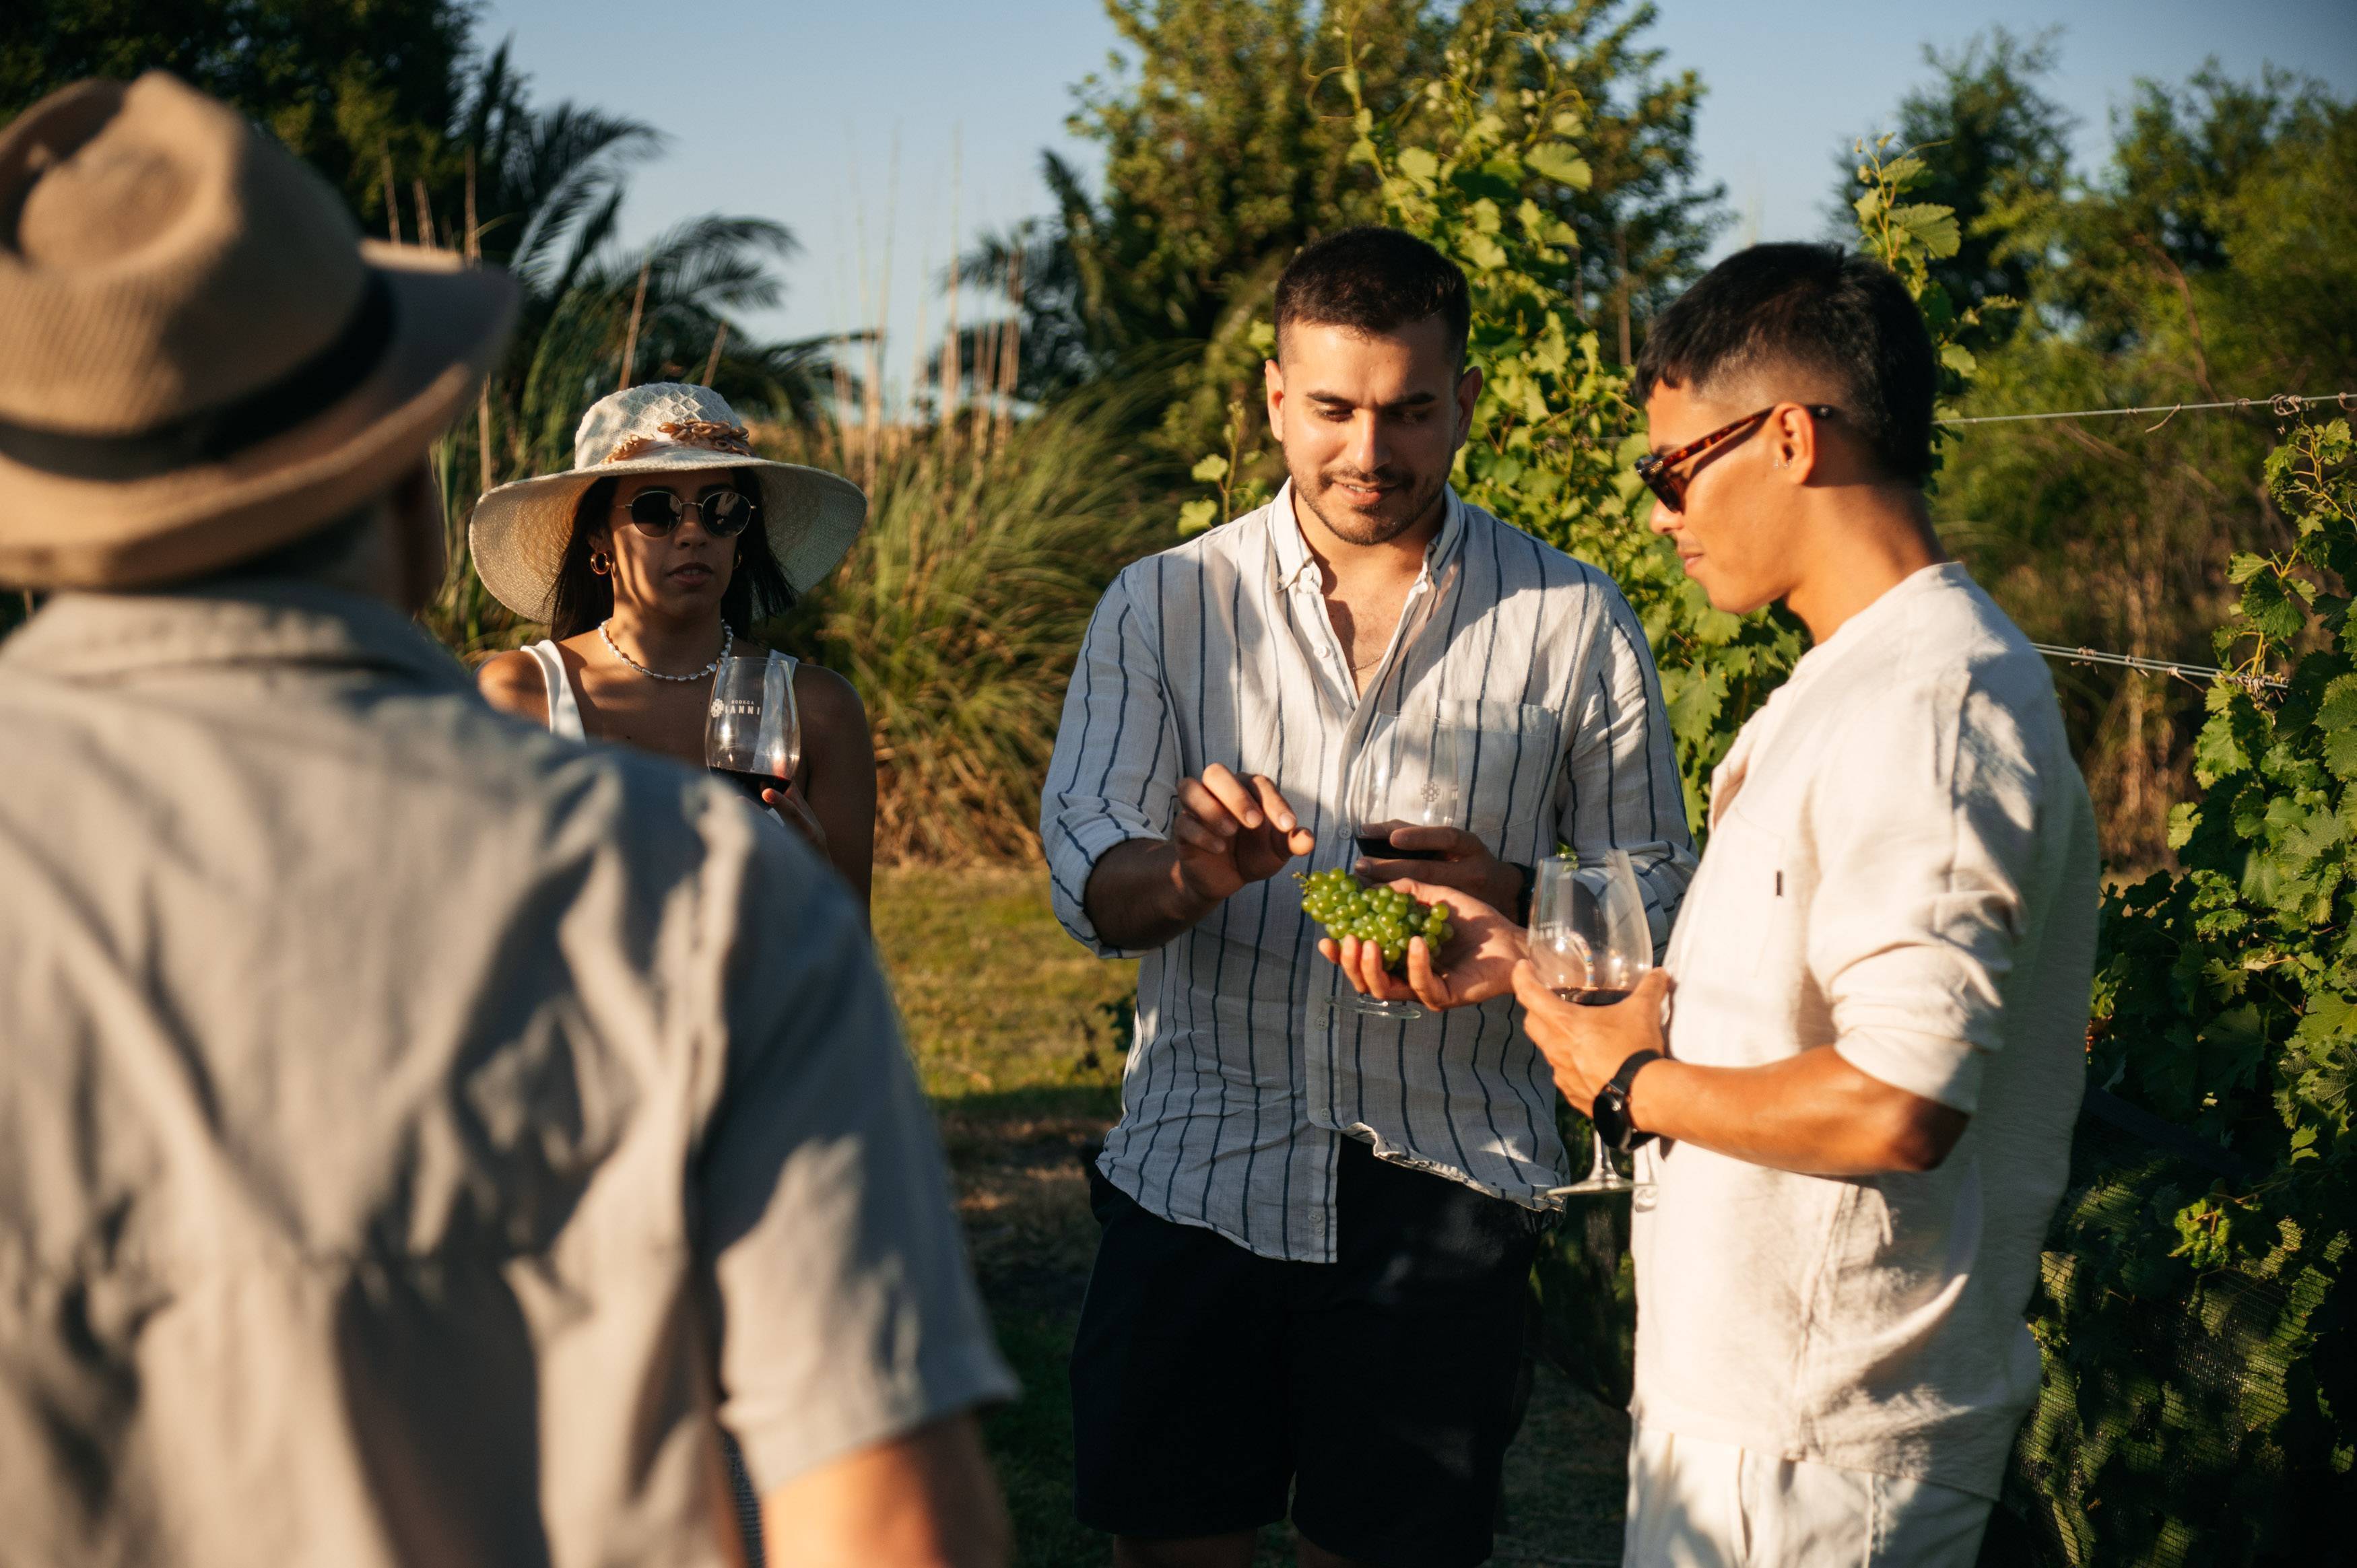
(1601, 1169)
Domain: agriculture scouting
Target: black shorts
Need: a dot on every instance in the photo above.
(1378, 1389)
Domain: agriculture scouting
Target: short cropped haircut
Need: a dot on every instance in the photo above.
(1812, 307)
(1373, 280)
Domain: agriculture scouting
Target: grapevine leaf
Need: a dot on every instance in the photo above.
(2269, 610)
(1559, 163)
(1930, 226)
(2337, 719)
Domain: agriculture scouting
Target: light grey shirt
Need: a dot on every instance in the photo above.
(1244, 1072)
(416, 1128)
(1902, 865)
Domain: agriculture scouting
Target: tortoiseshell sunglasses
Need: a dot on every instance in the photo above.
(1670, 489)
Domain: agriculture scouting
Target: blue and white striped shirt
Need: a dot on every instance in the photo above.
(1246, 1072)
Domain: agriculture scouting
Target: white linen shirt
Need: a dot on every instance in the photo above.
(1903, 864)
(1243, 1073)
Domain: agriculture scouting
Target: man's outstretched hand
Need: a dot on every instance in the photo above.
(1477, 963)
(1228, 835)
(1231, 834)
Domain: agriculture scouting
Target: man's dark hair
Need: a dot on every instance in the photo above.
(1373, 280)
(1814, 307)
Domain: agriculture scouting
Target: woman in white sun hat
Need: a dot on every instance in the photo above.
(648, 562)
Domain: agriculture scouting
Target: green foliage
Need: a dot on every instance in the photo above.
(1481, 174)
(2197, 1329)
(2207, 260)
(1986, 140)
(1913, 239)
(1226, 148)
(343, 83)
(958, 613)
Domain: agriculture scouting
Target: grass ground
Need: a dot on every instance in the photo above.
(1002, 1009)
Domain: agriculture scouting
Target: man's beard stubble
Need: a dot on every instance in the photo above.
(1401, 510)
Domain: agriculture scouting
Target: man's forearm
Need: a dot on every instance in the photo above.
(1135, 898)
(924, 1499)
(1814, 1114)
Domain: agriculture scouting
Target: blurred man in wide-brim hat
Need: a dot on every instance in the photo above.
(399, 1163)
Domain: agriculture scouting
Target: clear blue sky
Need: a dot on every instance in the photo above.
(803, 111)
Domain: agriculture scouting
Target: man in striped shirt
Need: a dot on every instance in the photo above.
(1318, 1223)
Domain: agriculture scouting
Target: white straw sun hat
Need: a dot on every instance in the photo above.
(520, 531)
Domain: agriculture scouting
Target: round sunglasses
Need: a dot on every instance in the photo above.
(1659, 469)
(723, 513)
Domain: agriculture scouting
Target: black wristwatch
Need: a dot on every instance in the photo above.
(1610, 1113)
(1522, 898)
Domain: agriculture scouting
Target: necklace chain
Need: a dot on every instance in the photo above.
(727, 640)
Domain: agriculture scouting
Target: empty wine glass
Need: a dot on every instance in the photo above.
(752, 730)
(1409, 775)
(1590, 944)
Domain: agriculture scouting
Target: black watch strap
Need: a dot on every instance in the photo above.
(1631, 1139)
(1523, 897)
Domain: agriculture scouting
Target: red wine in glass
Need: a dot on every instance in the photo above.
(1375, 843)
(1591, 995)
(752, 732)
(753, 783)
(1591, 943)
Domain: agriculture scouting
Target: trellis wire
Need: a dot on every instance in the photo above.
(2195, 673)
(2283, 405)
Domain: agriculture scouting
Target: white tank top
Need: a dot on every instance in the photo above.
(563, 710)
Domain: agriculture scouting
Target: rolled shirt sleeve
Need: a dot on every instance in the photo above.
(1114, 774)
(1926, 830)
(847, 1315)
(1619, 786)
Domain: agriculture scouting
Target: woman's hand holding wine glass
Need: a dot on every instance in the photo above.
(753, 734)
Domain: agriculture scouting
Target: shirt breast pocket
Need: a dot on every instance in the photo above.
(1507, 756)
(1736, 913)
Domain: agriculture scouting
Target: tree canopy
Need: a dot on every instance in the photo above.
(1228, 142)
(344, 84)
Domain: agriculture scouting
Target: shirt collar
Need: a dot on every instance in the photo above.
(1888, 610)
(229, 622)
(1292, 551)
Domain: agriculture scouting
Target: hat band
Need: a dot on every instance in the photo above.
(209, 436)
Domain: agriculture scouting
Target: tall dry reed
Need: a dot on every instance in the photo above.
(959, 613)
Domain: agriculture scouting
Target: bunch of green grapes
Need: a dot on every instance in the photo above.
(1383, 916)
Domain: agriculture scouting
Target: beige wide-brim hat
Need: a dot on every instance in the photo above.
(521, 531)
(200, 361)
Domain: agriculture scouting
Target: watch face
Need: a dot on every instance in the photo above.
(1611, 1117)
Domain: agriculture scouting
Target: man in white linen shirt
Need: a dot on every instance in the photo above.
(1862, 1120)
(1318, 1225)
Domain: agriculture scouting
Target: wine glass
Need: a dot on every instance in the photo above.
(1590, 943)
(752, 731)
(1408, 774)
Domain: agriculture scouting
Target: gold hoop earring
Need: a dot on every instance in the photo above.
(600, 563)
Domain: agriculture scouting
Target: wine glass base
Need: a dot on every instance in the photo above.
(1599, 1184)
(1399, 1011)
